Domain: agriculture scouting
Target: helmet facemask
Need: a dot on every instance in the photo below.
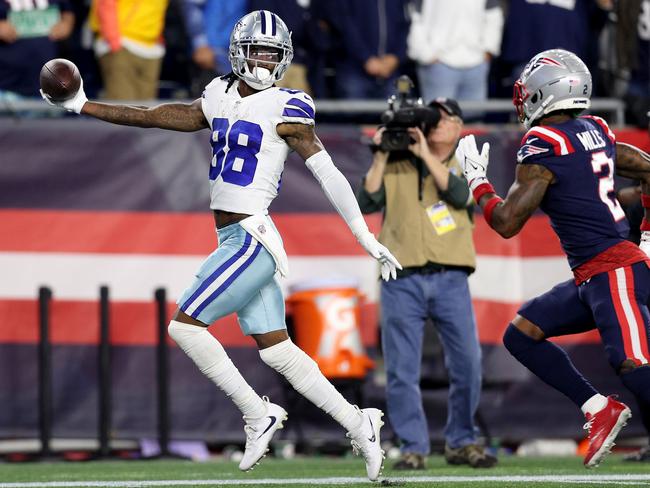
(519, 96)
(260, 49)
(260, 65)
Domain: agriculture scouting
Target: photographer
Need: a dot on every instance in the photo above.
(427, 224)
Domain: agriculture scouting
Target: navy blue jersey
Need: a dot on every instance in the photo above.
(580, 202)
(21, 61)
(527, 31)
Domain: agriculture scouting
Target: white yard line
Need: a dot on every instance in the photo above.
(623, 479)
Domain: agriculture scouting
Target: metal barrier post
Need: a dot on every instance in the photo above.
(104, 370)
(163, 372)
(44, 371)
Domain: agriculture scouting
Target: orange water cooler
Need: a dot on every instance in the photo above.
(326, 316)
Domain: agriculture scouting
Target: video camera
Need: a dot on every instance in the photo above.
(403, 112)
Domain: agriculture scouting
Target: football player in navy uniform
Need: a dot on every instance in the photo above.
(566, 166)
(254, 125)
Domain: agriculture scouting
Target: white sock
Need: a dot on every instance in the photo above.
(595, 404)
(211, 358)
(303, 374)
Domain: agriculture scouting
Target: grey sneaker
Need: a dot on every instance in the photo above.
(640, 456)
(410, 461)
(472, 454)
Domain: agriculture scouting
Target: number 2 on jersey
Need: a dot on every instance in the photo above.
(234, 151)
(606, 183)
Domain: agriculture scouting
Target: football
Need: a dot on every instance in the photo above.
(60, 79)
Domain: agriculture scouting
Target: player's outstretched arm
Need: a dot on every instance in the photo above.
(507, 216)
(632, 162)
(183, 117)
(524, 197)
(302, 139)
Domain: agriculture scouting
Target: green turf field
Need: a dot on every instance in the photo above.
(323, 471)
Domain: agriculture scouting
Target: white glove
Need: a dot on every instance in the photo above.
(74, 104)
(474, 164)
(645, 242)
(388, 262)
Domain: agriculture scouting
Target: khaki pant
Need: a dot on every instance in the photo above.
(296, 78)
(129, 77)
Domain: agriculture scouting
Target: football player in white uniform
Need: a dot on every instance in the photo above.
(254, 126)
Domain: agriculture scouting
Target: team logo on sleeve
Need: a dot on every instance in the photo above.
(529, 150)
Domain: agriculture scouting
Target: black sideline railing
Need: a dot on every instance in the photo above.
(104, 374)
(612, 108)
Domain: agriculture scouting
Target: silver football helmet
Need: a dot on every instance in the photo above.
(257, 30)
(553, 80)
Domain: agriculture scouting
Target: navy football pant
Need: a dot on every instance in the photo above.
(615, 303)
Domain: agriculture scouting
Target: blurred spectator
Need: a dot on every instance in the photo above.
(295, 14)
(453, 43)
(29, 31)
(208, 24)
(371, 44)
(633, 49)
(129, 46)
(532, 26)
(320, 71)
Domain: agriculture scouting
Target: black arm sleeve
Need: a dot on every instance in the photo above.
(371, 202)
(457, 194)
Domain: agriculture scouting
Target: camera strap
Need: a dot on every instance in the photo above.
(419, 166)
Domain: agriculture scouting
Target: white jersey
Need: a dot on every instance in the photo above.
(248, 156)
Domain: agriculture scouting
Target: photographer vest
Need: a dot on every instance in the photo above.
(408, 229)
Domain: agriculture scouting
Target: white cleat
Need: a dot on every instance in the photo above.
(366, 441)
(259, 433)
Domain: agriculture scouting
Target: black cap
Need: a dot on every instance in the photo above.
(449, 105)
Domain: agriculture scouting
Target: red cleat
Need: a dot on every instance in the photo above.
(603, 428)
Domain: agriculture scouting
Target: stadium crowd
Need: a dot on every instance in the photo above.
(467, 49)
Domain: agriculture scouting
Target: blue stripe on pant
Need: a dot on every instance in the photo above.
(237, 277)
(230, 279)
(211, 279)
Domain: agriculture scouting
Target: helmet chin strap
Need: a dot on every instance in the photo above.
(540, 111)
